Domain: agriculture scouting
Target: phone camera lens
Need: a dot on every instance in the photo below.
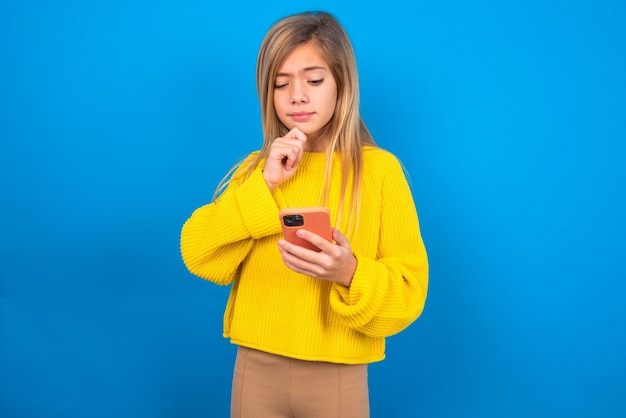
(293, 220)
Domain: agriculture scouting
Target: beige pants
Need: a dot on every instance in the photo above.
(270, 386)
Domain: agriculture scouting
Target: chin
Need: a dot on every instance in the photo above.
(307, 131)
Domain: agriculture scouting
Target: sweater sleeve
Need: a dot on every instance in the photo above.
(218, 236)
(388, 293)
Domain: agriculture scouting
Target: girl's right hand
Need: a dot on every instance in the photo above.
(284, 157)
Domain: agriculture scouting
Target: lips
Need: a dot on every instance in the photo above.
(301, 116)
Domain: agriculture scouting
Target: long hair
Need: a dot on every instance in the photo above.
(346, 130)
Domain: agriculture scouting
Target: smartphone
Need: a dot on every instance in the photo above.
(315, 219)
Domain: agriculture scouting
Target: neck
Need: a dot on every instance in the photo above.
(316, 145)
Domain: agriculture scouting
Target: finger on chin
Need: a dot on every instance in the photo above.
(298, 134)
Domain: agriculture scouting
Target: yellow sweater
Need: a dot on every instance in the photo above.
(271, 308)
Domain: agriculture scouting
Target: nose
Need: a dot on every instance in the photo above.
(298, 93)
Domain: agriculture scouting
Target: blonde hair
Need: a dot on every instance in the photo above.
(346, 131)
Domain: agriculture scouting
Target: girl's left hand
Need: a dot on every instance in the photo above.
(335, 262)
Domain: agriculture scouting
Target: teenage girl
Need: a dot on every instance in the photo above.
(307, 323)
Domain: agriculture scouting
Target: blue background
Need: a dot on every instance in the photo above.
(118, 118)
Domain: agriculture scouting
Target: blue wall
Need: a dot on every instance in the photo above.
(118, 118)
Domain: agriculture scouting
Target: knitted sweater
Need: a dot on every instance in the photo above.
(274, 309)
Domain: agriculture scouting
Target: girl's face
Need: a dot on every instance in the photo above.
(305, 93)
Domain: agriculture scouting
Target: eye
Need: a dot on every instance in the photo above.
(280, 86)
(316, 82)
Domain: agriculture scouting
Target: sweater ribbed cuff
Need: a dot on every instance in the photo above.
(257, 206)
(359, 303)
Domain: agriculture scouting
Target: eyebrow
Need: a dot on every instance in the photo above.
(312, 68)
